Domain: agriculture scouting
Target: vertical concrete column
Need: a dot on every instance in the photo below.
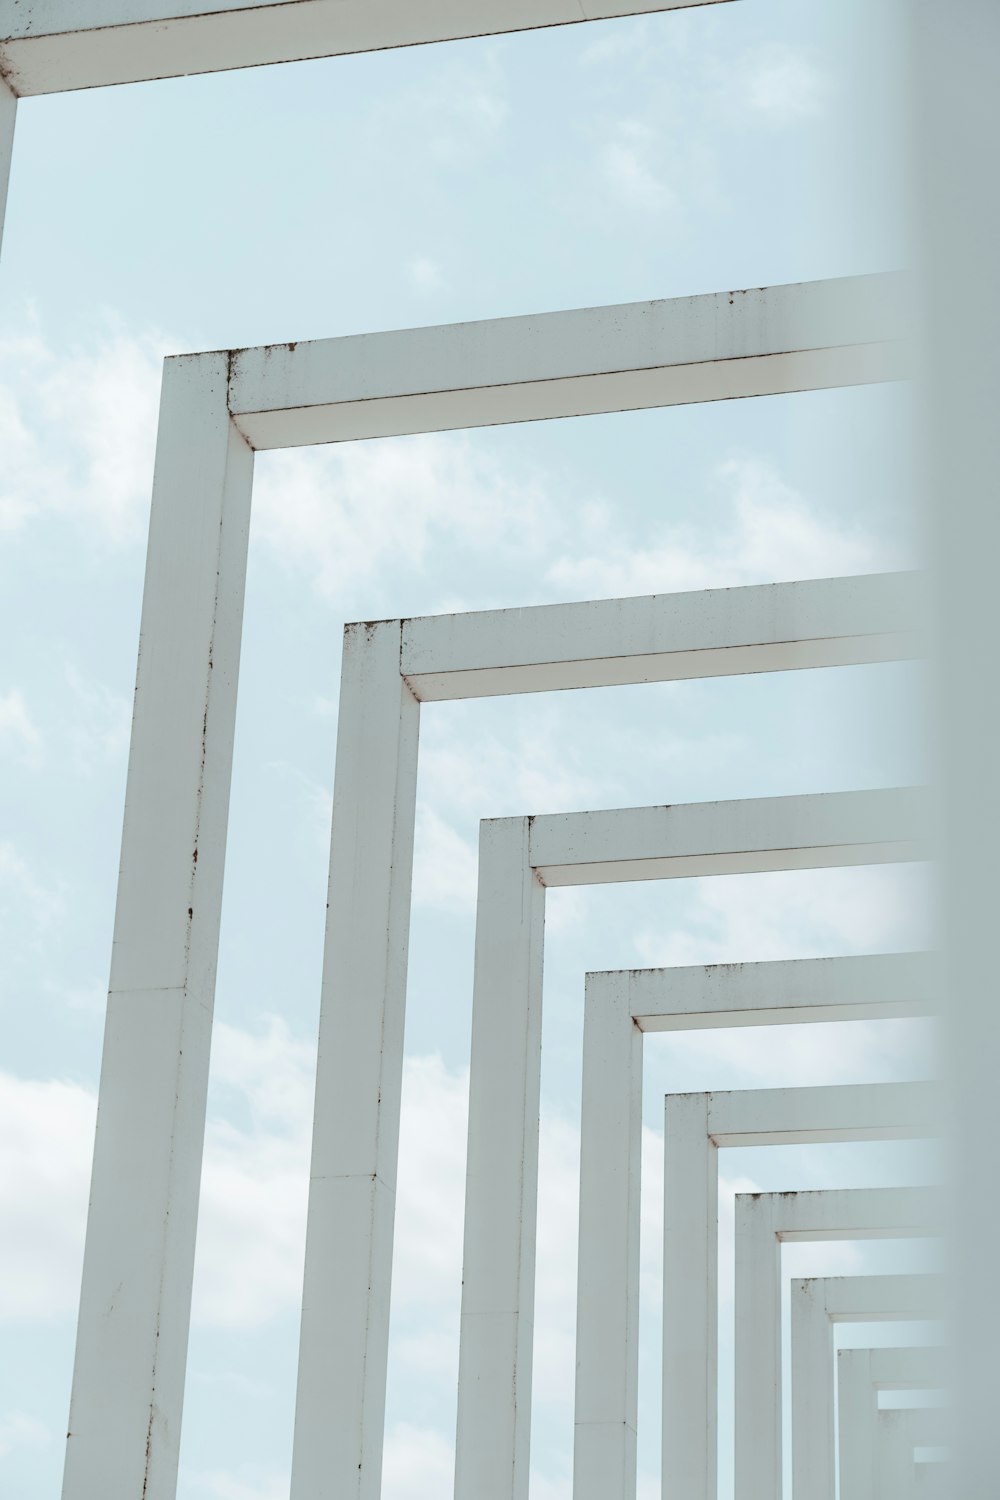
(895, 1476)
(900, 1431)
(957, 139)
(857, 1407)
(757, 1352)
(607, 1306)
(8, 116)
(128, 1383)
(813, 1465)
(340, 1410)
(494, 1400)
(690, 1298)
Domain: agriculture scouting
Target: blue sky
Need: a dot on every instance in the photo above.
(724, 147)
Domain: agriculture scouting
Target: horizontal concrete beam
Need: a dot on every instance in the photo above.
(832, 1112)
(838, 1214)
(713, 347)
(873, 1299)
(779, 992)
(51, 45)
(728, 838)
(659, 638)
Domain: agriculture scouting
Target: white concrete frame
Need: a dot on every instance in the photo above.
(764, 1221)
(518, 859)
(51, 46)
(696, 1126)
(898, 1432)
(816, 1304)
(861, 1375)
(215, 409)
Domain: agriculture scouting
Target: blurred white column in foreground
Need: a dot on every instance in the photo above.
(956, 137)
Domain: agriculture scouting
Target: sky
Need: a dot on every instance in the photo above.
(728, 146)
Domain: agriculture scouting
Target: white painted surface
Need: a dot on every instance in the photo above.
(494, 1403)
(8, 118)
(728, 838)
(510, 369)
(955, 121)
(721, 345)
(695, 1127)
(861, 1374)
(899, 1432)
(584, 848)
(777, 993)
(815, 1305)
(770, 627)
(345, 1317)
(763, 1221)
(128, 1383)
(51, 45)
(607, 1305)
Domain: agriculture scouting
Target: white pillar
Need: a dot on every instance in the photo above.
(894, 1456)
(757, 1353)
(494, 1402)
(340, 1410)
(128, 1383)
(8, 116)
(813, 1399)
(957, 138)
(857, 1411)
(607, 1319)
(690, 1299)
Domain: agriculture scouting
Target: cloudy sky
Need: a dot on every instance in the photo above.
(730, 146)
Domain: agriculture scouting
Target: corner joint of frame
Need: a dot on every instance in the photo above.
(8, 75)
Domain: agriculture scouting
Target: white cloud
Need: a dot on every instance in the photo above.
(29, 903)
(78, 432)
(345, 513)
(465, 119)
(100, 732)
(458, 111)
(219, 1485)
(17, 728)
(797, 914)
(628, 164)
(18, 1429)
(431, 1186)
(46, 1136)
(251, 1235)
(425, 275)
(445, 865)
(537, 766)
(252, 1222)
(418, 1464)
(773, 535)
(781, 85)
(467, 772)
(616, 43)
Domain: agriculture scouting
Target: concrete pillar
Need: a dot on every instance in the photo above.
(340, 1410)
(498, 1289)
(128, 1382)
